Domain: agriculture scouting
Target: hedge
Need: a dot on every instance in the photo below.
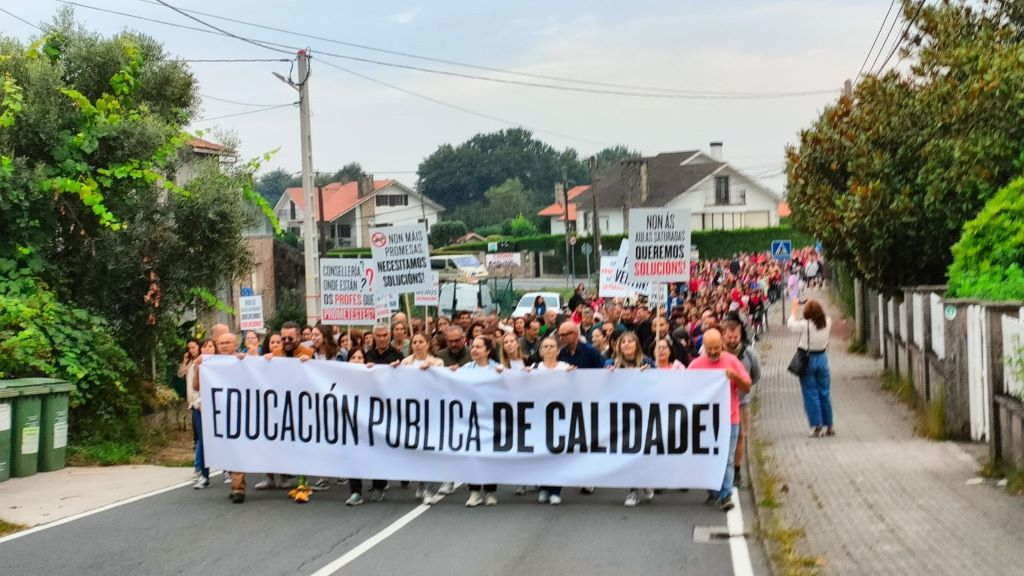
(712, 244)
(988, 261)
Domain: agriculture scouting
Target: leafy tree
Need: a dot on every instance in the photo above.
(351, 172)
(988, 261)
(888, 175)
(613, 155)
(273, 184)
(519, 227)
(442, 233)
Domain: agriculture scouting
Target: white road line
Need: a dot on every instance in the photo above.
(741, 565)
(372, 541)
(87, 513)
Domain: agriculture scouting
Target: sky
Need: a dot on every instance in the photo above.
(696, 45)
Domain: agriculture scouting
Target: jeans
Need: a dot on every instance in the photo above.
(487, 488)
(816, 385)
(355, 485)
(197, 437)
(730, 472)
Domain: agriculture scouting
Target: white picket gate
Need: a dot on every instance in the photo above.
(978, 370)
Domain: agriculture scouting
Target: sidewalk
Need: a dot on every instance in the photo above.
(875, 499)
(51, 496)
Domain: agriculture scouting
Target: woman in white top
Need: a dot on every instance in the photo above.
(421, 355)
(814, 329)
(549, 362)
(663, 355)
(480, 352)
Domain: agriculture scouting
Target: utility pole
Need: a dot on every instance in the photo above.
(565, 210)
(322, 245)
(592, 164)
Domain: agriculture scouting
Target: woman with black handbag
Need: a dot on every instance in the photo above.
(810, 364)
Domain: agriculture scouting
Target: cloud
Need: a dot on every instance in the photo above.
(405, 16)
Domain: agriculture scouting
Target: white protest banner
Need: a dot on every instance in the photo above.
(623, 428)
(430, 297)
(384, 305)
(615, 281)
(402, 257)
(504, 260)
(250, 313)
(346, 288)
(659, 241)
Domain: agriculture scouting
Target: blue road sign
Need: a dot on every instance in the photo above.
(246, 292)
(782, 249)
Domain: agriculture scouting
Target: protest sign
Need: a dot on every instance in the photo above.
(615, 281)
(429, 297)
(624, 428)
(402, 257)
(504, 260)
(346, 291)
(250, 313)
(659, 240)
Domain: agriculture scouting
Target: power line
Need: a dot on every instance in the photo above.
(563, 79)
(20, 19)
(877, 36)
(648, 95)
(903, 35)
(462, 109)
(218, 29)
(881, 49)
(240, 103)
(238, 60)
(246, 113)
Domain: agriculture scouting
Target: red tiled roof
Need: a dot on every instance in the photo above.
(338, 198)
(557, 209)
(784, 209)
(200, 144)
(577, 190)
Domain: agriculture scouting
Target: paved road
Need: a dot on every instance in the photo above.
(201, 532)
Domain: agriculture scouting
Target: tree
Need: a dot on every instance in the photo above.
(988, 261)
(888, 175)
(351, 172)
(518, 227)
(273, 184)
(613, 155)
(442, 233)
(94, 231)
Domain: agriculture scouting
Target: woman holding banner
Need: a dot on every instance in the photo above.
(480, 352)
(423, 359)
(511, 352)
(355, 485)
(549, 363)
(628, 355)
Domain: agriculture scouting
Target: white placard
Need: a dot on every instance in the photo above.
(659, 244)
(5, 417)
(402, 257)
(346, 291)
(504, 260)
(429, 297)
(250, 313)
(624, 428)
(615, 281)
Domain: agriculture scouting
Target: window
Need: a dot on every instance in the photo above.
(291, 210)
(392, 200)
(437, 263)
(343, 230)
(721, 190)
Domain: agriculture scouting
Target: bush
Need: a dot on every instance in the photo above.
(518, 227)
(41, 336)
(442, 233)
(988, 259)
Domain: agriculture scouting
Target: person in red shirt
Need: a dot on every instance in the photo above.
(716, 358)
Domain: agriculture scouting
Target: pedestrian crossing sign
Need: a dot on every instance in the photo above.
(782, 249)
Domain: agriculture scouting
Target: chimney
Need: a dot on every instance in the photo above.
(365, 186)
(559, 193)
(716, 151)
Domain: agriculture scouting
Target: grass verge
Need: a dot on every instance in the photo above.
(10, 528)
(1014, 477)
(782, 542)
(159, 449)
(929, 417)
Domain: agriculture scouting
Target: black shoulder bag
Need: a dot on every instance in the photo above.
(798, 364)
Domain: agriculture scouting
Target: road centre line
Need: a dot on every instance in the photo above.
(738, 549)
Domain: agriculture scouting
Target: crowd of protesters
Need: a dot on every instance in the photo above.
(711, 322)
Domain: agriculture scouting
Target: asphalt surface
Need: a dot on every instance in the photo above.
(200, 532)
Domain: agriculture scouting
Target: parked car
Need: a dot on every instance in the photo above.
(525, 306)
(463, 268)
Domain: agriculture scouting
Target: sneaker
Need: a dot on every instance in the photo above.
(356, 499)
(520, 490)
(726, 504)
(433, 499)
(543, 497)
(491, 499)
(815, 433)
(227, 477)
(588, 490)
(446, 488)
(376, 495)
(555, 500)
(321, 485)
(648, 494)
(200, 483)
(830, 432)
(265, 485)
(427, 498)
(632, 499)
(420, 492)
(238, 497)
(475, 499)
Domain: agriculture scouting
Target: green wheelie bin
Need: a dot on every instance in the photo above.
(53, 435)
(28, 408)
(6, 409)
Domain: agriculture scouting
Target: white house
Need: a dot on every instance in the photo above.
(557, 211)
(352, 208)
(718, 195)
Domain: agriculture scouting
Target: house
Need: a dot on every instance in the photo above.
(560, 221)
(468, 237)
(350, 209)
(718, 195)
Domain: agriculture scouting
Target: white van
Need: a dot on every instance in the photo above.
(458, 268)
